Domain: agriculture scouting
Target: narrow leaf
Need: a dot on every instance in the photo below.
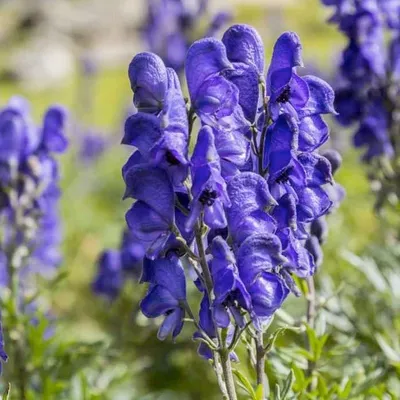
(246, 384)
(287, 385)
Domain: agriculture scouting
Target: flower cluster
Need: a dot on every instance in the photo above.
(369, 74)
(171, 25)
(242, 210)
(29, 193)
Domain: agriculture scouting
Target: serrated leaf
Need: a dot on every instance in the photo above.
(245, 383)
(287, 385)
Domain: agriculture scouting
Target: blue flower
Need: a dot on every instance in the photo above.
(207, 325)
(216, 101)
(258, 259)
(92, 147)
(166, 295)
(151, 217)
(230, 292)
(109, 279)
(208, 187)
(160, 129)
(250, 196)
(288, 92)
(53, 131)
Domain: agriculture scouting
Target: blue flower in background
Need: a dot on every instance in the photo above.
(109, 279)
(169, 28)
(93, 146)
(368, 72)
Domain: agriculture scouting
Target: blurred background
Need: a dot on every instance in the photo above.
(77, 53)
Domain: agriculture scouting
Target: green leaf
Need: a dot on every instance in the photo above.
(272, 338)
(300, 379)
(322, 386)
(313, 341)
(287, 385)
(345, 393)
(245, 383)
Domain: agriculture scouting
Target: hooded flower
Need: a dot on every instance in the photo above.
(230, 292)
(216, 101)
(258, 258)
(249, 197)
(167, 292)
(207, 325)
(151, 217)
(288, 92)
(245, 50)
(208, 187)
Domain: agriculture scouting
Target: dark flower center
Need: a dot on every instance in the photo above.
(284, 96)
(284, 176)
(171, 159)
(208, 197)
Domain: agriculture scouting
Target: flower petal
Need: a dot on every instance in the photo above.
(286, 56)
(259, 252)
(205, 58)
(244, 44)
(142, 131)
(153, 187)
(157, 302)
(149, 79)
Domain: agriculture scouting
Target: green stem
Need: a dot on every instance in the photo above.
(203, 262)
(228, 376)
(311, 312)
(260, 361)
